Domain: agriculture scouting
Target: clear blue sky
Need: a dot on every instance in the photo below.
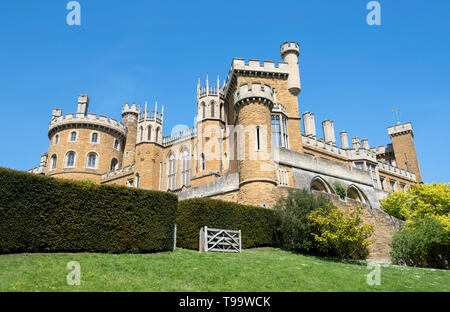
(134, 50)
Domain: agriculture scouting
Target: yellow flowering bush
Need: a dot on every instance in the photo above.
(341, 233)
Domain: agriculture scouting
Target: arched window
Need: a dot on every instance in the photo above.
(70, 159)
(203, 110)
(56, 139)
(141, 134)
(92, 160)
(116, 144)
(221, 111)
(138, 180)
(53, 163)
(186, 167)
(157, 134)
(212, 109)
(73, 136)
(172, 172)
(114, 163)
(149, 133)
(319, 185)
(94, 138)
(203, 162)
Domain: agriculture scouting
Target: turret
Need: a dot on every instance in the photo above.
(257, 170)
(130, 115)
(290, 52)
(402, 136)
(210, 101)
(150, 125)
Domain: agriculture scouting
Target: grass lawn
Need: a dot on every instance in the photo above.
(261, 269)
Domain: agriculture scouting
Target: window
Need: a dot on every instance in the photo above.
(392, 182)
(172, 172)
(212, 109)
(149, 133)
(56, 139)
(94, 138)
(402, 186)
(130, 183)
(137, 180)
(70, 161)
(285, 133)
(221, 111)
(373, 174)
(116, 144)
(73, 136)
(92, 160)
(203, 162)
(258, 143)
(382, 181)
(113, 166)
(203, 110)
(186, 168)
(53, 163)
(141, 134)
(157, 134)
(359, 165)
(276, 130)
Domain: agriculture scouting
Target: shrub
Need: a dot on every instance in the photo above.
(42, 214)
(256, 224)
(340, 233)
(422, 243)
(340, 190)
(293, 231)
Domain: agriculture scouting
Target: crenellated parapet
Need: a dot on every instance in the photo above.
(289, 47)
(257, 92)
(131, 109)
(89, 120)
(400, 129)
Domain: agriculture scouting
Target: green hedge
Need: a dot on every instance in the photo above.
(257, 224)
(42, 214)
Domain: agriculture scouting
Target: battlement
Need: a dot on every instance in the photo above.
(257, 91)
(400, 129)
(72, 120)
(254, 65)
(289, 47)
(384, 149)
(131, 109)
(117, 173)
(277, 107)
(395, 170)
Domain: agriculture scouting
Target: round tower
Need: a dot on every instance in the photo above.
(290, 52)
(130, 116)
(83, 145)
(256, 167)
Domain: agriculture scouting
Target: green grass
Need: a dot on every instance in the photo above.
(262, 269)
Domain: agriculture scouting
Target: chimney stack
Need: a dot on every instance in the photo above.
(365, 144)
(356, 143)
(344, 139)
(309, 124)
(83, 104)
(328, 132)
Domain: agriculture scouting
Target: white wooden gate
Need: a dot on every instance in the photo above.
(220, 240)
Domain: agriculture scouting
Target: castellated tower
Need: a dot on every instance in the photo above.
(402, 136)
(253, 105)
(149, 149)
(83, 145)
(210, 128)
(130, 120)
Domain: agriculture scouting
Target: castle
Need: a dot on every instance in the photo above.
(246, 145)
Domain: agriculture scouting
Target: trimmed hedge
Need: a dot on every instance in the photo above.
(42, 214)
(257, 224)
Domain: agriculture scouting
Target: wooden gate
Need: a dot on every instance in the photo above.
(220, 240)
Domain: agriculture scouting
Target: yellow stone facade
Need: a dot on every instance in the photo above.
(246, 146)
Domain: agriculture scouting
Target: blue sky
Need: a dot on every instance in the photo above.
(127, 51)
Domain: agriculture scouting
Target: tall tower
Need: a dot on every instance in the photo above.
(289, 52)
(149, 155)
(130, 120)
(253, 105)
(402, 136)
(210, 127)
